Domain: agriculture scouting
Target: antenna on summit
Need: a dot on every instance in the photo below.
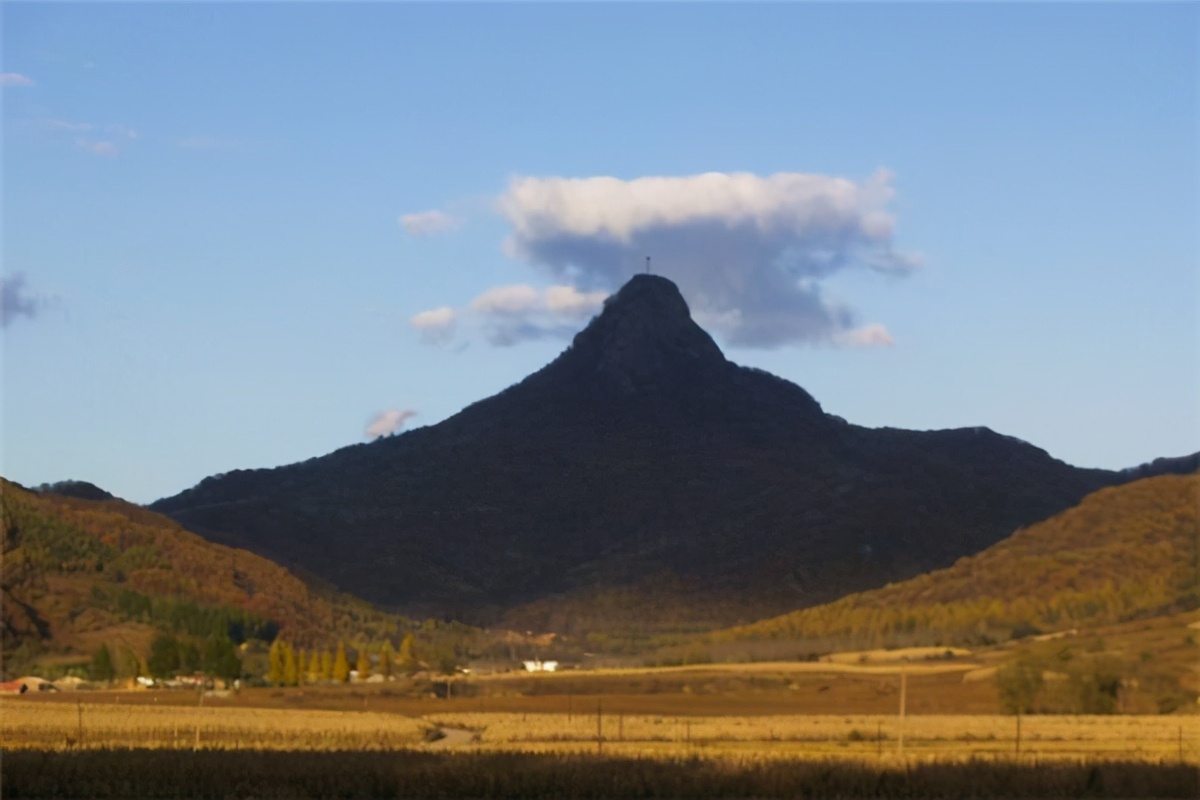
(647, 265)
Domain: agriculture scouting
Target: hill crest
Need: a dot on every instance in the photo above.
(639, 480)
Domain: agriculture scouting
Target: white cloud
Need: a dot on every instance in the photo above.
(99, 148)
(428, 223)
(388, 422)
(15, 79)
(510, 314)
(517, 313)
(436, 325)
(748, 252)
(568, 300)
(518, 299)
(873, 335)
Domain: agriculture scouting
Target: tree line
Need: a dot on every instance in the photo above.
(292, 666)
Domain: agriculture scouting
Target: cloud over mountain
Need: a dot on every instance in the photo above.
(748, 252)
(387, 422)
(511, 314)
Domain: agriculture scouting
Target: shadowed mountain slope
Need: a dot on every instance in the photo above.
(1124, 552)
(639, 481)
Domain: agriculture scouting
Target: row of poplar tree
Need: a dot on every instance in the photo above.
(288, 666)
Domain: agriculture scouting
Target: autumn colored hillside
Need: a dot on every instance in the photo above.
(1122, 553)
(78, 573)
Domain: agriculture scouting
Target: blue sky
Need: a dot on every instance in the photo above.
(220, 220)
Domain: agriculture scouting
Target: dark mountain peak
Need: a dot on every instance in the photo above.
(639, 460)
(81, 490)
(645, 335)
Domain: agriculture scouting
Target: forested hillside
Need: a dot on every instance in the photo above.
(1123, 552)
(81, 573)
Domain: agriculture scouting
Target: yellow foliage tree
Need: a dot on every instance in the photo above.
(408, 659)
(341, 667)
(275, 662)
(326, 665)
(364, 664)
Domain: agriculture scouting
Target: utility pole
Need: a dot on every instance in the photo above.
(599, 730)
(903, 699)
(199, 704)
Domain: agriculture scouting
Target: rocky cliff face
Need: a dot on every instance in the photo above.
(640, 479)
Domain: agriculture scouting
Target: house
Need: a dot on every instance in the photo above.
(540, 666)
(14, 687)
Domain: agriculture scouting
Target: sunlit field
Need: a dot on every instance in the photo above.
(58, 726)
(61, 725)
(1151, 738)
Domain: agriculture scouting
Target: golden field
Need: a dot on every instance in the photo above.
(33, 725)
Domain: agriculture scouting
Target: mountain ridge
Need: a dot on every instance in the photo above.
(641, 461)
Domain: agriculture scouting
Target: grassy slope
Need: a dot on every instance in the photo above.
(68, 561)
(1123, 552)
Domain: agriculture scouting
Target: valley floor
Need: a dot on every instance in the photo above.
(598, 726)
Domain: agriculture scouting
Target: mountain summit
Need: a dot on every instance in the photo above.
(644, 336)
(643, 361)
(638, 481)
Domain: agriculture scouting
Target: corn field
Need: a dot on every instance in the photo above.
(57, 726)
(965, 736)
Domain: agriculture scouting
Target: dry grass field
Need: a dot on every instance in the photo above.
(31, 724)
(151, 750)
(936, 737)
(84, 725)
(779, 729)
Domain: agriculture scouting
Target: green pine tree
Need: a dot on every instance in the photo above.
(291, 675)
(1018, 685)
(102, 665)
(164, 656)
(189, 658)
